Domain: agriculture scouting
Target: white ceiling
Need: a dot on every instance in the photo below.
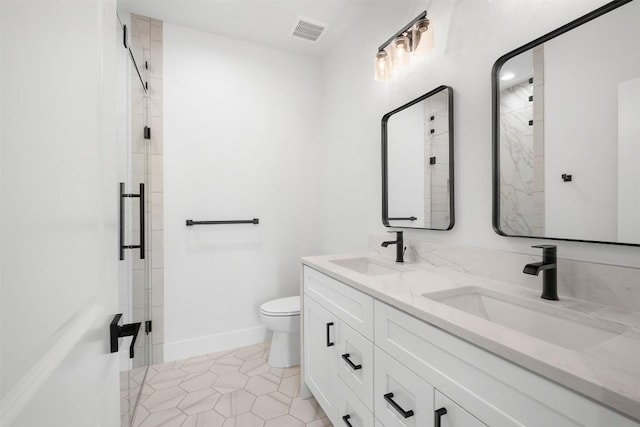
(267, 22)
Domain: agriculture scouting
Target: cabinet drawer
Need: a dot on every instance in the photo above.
(351, 411)
(494, 390)
(401, 397)
(455, 416)
(351, 306)
(355, 363)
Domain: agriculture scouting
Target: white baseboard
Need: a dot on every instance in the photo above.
(197, 346)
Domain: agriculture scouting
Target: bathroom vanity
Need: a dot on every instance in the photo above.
(387, 344)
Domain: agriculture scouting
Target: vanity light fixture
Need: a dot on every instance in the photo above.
(413, 39)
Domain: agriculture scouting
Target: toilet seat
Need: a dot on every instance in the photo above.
(281, 307)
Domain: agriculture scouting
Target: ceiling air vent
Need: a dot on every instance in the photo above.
(308, 29)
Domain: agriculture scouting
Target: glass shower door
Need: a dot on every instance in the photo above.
(134, 251)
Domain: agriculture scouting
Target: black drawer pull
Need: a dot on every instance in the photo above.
(439, 413)
(353, 366)
(329, 343)
(389, 398)
(346, 420)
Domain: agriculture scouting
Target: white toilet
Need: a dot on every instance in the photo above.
(282, 316)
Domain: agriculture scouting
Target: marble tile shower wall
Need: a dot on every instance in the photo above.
(517, 162)
(610, 289)
(436, 177)
(146, 42)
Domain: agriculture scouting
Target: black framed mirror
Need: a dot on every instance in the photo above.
(566, 134)
(417, 163)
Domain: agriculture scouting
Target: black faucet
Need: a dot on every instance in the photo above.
(549, 267)
(399, 242)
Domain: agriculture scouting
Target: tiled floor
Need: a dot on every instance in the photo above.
(235, 388)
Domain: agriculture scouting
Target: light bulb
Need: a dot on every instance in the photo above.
(382, 66)
(422, 34)
(401, 50)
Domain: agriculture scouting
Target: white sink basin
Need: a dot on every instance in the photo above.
(556, 325)
(368, 266)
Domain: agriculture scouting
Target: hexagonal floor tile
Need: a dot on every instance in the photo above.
(199, 401)
(168, 418)
(259, 386)
(204, 419)
(254, 367)
(250, 352)
(322, 422)
(269, 407)
(305, 409)
(244, 420)
(290, 386)
(235, 403)
(230, 382)
(284, 421)
(198, 381)
(164, 399)
(166, 379)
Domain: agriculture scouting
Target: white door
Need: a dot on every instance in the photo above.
(58, 214)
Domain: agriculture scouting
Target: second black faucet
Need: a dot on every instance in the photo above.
(399, 242)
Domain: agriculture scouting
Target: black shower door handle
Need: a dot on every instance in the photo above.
(140, 196)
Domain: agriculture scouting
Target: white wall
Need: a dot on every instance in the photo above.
(241, 140)
(405, 157)
(628, 155)
(466, 46)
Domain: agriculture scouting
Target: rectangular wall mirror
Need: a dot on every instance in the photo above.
(417, 163)
(566, 131)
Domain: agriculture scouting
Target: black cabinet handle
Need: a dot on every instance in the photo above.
(123, 195)
(117, 331)
(389, 398)
(346, 420)
(353, 366)
(438, 415)
(329, 343)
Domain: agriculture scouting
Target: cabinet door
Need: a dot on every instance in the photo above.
(401, 398)
(452, 415)
(320, 355)
(355, 363)
(351, 411)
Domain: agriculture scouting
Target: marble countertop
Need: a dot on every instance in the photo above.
(607, 372)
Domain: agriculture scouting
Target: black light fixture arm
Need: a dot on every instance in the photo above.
(404, 29)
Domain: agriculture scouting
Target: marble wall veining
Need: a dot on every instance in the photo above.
(521, 162)
(609, 285)
(436, 135)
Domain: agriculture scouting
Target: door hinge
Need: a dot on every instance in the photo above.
(147, 327)
(432, 160)
(147, 132)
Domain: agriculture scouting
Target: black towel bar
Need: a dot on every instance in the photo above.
(191, 222)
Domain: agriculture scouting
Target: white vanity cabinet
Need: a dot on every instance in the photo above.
(417, 375)
(338, 349)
